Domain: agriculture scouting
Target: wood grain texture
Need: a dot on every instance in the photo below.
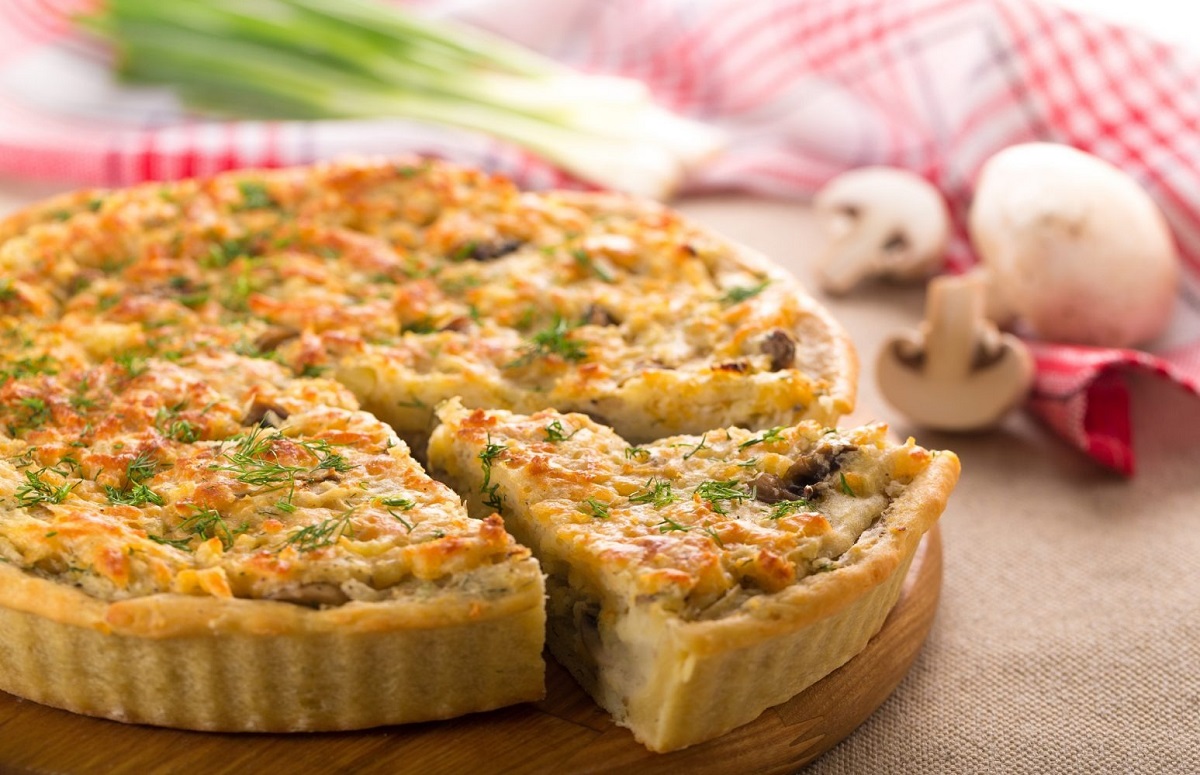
(565, 733)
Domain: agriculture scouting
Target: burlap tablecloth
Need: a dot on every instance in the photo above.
(1068, 637)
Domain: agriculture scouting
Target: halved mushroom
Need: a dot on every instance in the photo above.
(264, 413)
(880, 222)
(781, 348)
(802, 477)
(958, 372)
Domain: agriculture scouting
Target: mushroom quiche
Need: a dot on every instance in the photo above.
(209, 513)
(697, 580)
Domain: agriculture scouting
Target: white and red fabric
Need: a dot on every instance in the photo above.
(806, 89)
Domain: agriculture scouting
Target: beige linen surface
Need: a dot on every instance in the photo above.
(1068, 637)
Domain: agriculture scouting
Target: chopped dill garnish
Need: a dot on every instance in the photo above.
(183, 544)
(323, 534)
(136, 493)
(79, 400)
(488, 455)
(845, 486)
(399, 503)
(698, 447)
(594, 508)
(740, 293)
(714, 536)
(28, 367)
(208, 523)
(669, 525)
(637, 452)
(656, 492)
(767, 437)
(588, 264)
(36, 413)
(784, 508)
(253, 461)
(133, 495)
(494, 499)
(182, 430)
(556, 432)
(133, 365)
(142, 467)
(35, 491)
(327, 459)
(312, 370)
(555, 340)
(255, 196)
(714, 492)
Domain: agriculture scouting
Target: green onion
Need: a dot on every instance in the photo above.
(359, 58)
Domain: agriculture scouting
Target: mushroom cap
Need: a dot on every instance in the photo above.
(880, 222)
(1073, 246)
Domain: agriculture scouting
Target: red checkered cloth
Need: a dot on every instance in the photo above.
(806, 89)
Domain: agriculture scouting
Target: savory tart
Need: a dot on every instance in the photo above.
(210, 516)
(697, 580)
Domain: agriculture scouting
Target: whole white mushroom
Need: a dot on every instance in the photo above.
(879, 222)
(1073, 247)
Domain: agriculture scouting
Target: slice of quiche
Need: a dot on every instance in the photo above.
(697, 580)
(212, 544)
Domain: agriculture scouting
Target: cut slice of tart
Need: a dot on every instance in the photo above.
(697, 580)
(212, 544)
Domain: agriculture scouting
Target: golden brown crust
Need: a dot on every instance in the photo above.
(286, 679)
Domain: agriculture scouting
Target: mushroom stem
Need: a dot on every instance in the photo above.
(953, 309)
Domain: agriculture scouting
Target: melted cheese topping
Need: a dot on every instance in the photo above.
(418, 282)
(698, 523)
(161, 430)
(223, 476)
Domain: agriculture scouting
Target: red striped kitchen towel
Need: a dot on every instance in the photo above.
(806, 89)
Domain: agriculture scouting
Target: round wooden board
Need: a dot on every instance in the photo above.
(565, 733)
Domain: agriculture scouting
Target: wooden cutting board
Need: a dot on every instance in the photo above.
(565, 733)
